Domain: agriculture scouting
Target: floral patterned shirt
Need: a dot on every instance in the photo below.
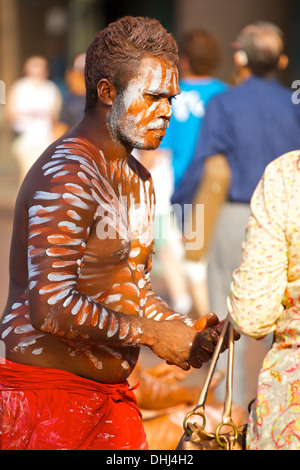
(265, 298)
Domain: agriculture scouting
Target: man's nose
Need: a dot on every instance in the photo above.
(165, 109)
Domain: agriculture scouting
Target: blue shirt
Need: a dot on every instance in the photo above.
(188, 112)
(251, 124)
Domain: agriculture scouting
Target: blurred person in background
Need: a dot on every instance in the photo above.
(244, 129)
(33, 106)
(199, 56)
(73, 104)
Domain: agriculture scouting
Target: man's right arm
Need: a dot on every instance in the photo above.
(211, 193)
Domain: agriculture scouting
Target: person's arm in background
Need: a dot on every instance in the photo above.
(211, 193)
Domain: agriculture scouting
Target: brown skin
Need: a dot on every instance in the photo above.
(95, 342)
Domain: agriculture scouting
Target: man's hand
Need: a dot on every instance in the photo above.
(213, 332)
(181, 345)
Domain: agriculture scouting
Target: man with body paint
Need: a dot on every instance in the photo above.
(80, 301)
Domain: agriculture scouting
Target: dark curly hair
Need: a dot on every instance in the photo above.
(117, 51)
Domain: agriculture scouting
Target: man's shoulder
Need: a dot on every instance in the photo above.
(250, 88)
(78, 145)
(80, 152)
(271, 86)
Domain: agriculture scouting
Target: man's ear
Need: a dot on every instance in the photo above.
(107, 92)
(283, 62)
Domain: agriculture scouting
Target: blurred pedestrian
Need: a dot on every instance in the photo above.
(265, 299)
(73, 104)
(33, 105)
(199, 56)
(244, 129)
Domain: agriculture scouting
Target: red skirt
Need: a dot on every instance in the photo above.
(49, 409)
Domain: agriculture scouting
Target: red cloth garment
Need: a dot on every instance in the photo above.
(49, 409)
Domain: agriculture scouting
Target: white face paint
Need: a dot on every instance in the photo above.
(141, 114)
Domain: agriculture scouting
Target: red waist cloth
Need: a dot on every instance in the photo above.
(49, 409)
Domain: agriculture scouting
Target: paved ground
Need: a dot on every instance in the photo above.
(8, 191)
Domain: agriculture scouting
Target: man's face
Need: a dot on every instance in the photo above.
(141, 114)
